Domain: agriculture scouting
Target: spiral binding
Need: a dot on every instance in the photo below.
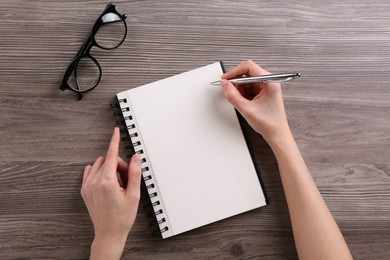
(130, 128)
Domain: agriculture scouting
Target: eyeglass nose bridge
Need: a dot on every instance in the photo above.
(86, 47)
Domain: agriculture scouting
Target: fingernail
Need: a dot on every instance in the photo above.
(115, 130)
(137, 158)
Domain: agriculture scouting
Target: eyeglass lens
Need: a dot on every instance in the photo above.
(112, 31)
(85, 75)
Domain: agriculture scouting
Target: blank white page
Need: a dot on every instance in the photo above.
(198, 156)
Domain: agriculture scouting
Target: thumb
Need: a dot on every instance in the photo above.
(233, 95)
(133, 189)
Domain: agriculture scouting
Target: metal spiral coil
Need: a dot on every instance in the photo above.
(128, 125)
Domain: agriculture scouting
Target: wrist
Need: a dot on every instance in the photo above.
(282, 144)
(280, 138)
(107, 247)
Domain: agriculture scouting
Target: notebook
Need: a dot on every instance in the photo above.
(196, 163)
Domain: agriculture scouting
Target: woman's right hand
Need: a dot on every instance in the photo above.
(261, 104)
(316, 233)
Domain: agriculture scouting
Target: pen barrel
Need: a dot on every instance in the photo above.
(266, 78)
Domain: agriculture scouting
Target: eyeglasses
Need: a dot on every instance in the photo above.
(85, 73)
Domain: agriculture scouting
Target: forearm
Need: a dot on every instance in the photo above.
(316, 233)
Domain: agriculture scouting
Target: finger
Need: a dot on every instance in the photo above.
(97, 165)
(134, 179)
(122, 165)
(234, 96)
(111, 162)
(87, 170)
(248, 68)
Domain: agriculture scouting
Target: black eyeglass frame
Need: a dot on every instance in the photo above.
(85, 49)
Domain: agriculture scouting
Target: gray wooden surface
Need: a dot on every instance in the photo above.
(339, 113)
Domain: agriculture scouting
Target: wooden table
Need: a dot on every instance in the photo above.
(339, 112)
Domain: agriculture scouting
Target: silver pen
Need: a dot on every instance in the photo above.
(262, 79)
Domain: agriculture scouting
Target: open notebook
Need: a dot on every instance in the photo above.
(195, 160)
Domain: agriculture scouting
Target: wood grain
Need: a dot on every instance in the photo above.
(338, 111)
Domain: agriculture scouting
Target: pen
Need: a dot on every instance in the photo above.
(262, 79)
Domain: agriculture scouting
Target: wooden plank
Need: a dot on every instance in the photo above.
(338, 111)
